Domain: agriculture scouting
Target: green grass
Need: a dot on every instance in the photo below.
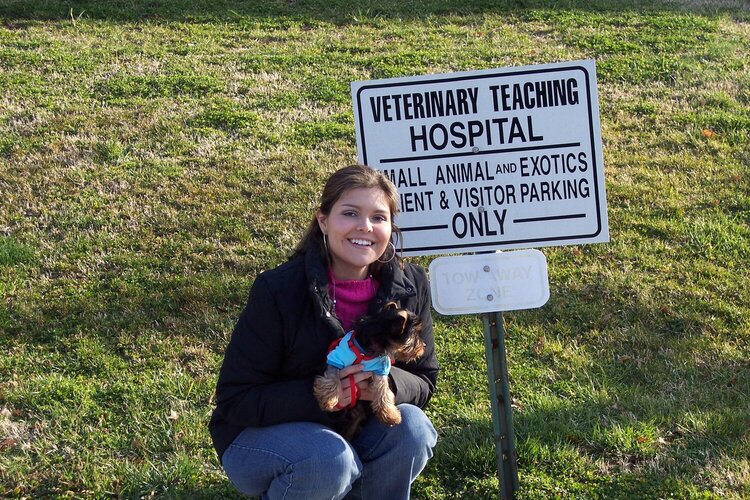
(155, 156)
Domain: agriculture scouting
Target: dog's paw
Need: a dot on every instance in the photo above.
(390, 415)
(325, 393)
(329, 404)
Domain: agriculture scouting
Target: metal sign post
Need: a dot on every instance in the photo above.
(487, 284)
(502, 412)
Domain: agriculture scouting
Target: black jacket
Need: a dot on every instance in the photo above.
(281, 339)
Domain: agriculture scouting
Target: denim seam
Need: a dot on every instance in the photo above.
(264, 450)
(289, 482)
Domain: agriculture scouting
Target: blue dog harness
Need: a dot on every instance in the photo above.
(347, 352)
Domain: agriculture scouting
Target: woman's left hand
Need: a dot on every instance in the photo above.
(365, 388)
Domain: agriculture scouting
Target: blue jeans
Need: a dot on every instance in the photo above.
(305, 460)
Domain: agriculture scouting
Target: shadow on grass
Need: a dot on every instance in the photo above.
(560, 454)
(643, 396)
(336, 11)
(654, 399)
(550, 460)
(464, 458)
(567, 442)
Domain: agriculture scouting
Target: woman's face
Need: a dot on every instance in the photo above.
(358, 230)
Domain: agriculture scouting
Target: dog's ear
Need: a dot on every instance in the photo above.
(403, 317)
(390, 305)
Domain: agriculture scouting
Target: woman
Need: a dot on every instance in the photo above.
(273, 439)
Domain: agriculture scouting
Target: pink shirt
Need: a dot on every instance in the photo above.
(351, 298)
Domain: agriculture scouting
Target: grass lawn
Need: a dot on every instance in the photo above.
(156, 155)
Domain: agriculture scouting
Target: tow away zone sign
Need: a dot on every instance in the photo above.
(507, 281)
(492, 159)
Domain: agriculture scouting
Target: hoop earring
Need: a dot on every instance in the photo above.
(393, 254)
(325, 242)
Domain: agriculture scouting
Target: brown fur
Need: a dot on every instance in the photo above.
(393, 332)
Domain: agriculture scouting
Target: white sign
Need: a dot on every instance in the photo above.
(503, 158)
(507, 281)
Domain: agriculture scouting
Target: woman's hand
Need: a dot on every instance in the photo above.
(354, 374)
(365, 388)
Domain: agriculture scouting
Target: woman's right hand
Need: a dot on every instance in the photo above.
(351, 375)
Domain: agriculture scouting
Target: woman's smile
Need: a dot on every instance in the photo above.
(362, 243)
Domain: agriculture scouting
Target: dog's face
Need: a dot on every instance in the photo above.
(392, 331)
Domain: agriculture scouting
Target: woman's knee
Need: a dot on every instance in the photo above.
(330, 465)
(292, 461)
(416, 430)
(327, 473)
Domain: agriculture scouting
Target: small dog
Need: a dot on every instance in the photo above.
(393, 333)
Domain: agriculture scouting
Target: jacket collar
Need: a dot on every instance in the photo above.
(317, 279)
(394, 284)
